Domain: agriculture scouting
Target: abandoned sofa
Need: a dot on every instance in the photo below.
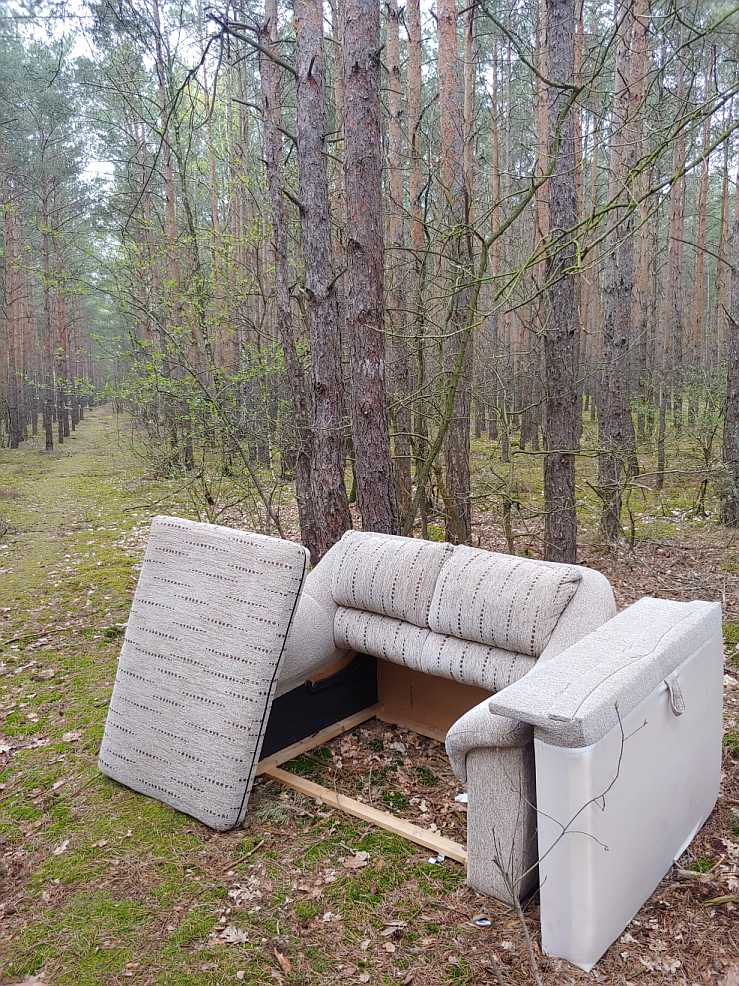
(597, 758)
(589, 742)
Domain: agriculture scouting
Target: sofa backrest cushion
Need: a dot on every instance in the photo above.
(501, 600)
(391, 576)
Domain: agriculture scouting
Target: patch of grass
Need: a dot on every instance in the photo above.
(427, 777)
(396, 800)
(704, 864)
(93, 934)
(311, 764)
(306, 910)
(731, 742)
(731, 641)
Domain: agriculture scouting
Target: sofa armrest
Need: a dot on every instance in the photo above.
(310, 643)
(480, 729)
(578, 696)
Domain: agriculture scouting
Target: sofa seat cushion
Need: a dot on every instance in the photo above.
(381, 636)
(487, 667)
(197, 670)
(420, 650)
(390, 576)
(501, 600)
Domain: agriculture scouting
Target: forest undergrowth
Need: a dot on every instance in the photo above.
(100, 885)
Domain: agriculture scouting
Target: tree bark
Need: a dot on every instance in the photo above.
(330, 504)
(615, 426)
(730, 498)
(297, 384)
(396, 280)
(562, 325)
(376, 492)
(457, 269)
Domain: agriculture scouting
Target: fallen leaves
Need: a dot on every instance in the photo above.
(282, 961)
(232, 935)
(356, 861)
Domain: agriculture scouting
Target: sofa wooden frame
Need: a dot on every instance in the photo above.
(422, 703)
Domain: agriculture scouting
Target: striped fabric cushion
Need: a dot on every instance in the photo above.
(420, 650)
(198, 666)
(487, 667)
(381, 636)
(501, 600)
(392, 576)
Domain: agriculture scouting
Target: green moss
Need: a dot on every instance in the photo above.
(396, 800)
(704, 864)
(306, 910)
(311, 764)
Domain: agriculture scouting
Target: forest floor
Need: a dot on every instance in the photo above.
(101, 885)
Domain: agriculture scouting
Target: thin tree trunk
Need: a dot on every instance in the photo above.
(457, 263)
(396, 281)
(730, 498)
(615, 426)
(298, 388)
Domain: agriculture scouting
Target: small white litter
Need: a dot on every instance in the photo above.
(461, 798)
(438, 858)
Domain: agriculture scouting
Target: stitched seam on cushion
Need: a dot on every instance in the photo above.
(483, 576)
(267, 705)
(378, 561)
(532, 586)
(419, 579)
(510, 608)
(459, 574)
(335, 575)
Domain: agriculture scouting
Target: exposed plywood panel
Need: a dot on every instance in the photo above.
(422, 702)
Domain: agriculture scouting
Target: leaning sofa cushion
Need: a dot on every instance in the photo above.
(501, 600)
(198, 666)
(388, 575)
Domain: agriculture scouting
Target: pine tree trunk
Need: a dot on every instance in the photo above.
(376, 491)
(562, 322)
(396, 280)
(330, 504)
(457, 262)
(615, 427)
(730, 498)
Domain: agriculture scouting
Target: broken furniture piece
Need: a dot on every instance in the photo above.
(518, 664)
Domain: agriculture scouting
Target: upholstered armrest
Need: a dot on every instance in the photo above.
(479, 729)
(582, 693)
(310, 644)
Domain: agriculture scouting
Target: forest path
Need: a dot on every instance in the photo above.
(55, 505)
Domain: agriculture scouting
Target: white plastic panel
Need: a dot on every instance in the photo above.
(615, 815)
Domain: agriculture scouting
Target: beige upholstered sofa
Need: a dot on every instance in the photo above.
(468, 616)
(589, 741)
